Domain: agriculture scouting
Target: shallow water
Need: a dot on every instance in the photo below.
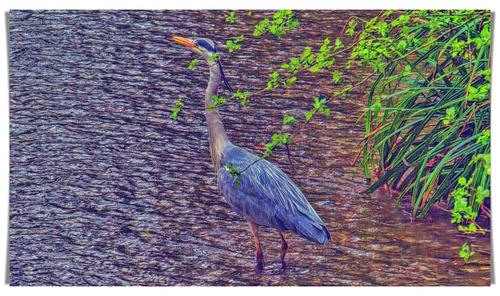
(107, 190)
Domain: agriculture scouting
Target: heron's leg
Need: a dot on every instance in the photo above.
(284, 248)
(259, 256)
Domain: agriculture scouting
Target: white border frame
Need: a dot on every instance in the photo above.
(6, 5)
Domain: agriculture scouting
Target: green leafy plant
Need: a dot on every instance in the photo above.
(231, 18)
(465, 252)
(288, 119)
(275, 80)
(242, 96)
(351, 27)
(427, 127)
(215, 57)
(217, 101)
(177, 108)
(450, 114)
(336, 77)
(234, 44)
(281, 22)
(319, 105)
(277, 140)
(236, 174)
(192, 64)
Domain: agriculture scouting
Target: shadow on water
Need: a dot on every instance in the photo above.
(107, 190)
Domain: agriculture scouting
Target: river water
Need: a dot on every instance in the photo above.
(105, 189)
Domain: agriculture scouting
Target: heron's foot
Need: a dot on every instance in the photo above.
(259, 266)
(260, 261)
(283, 265)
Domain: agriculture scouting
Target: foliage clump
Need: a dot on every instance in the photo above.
(235, 174)
(281, 22)
(319, 105)
(428, 120)
(233, 45)
(231, 18)
(465, 252)
(277, 140)
(288, 119)
(177, 108)
(192, 64)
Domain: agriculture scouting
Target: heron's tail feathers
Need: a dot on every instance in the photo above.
(311, 230)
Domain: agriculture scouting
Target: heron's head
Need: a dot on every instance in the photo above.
(201, 46)
(207, 49)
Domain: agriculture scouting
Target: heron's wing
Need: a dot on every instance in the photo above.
(263, 182)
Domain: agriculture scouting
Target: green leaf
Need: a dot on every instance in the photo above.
(305, 56)
(484, 139)
(231, 18)
(192, 64)
(277, 139)
(217, 101)
(275, 80)
(288, 119)
(449, 116)
(290, 80)
(261, 28)
(215, 57)
(351, 27)
(236, 174)
(338, 44)
(336, 76)
(177, 108)
(242, 96)
(309, 115)
(486, 34)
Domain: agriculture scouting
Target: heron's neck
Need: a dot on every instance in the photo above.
(216, 133)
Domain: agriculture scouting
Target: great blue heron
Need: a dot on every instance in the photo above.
(263, 194)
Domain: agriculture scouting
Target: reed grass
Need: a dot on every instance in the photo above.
(428, 117)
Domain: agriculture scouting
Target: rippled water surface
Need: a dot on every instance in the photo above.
(107, 190)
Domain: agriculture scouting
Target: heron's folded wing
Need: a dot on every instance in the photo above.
(263, 180)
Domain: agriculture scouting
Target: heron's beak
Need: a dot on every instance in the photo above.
(184, 41)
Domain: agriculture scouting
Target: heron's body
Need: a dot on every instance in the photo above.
(262, 193)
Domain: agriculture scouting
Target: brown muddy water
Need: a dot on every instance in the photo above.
(105, 189)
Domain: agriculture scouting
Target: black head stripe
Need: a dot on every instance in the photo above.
(210, 46)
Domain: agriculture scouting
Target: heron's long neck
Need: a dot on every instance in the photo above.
(216, 133)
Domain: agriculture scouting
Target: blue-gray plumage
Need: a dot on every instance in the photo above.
(266, 196)
(261, 193)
